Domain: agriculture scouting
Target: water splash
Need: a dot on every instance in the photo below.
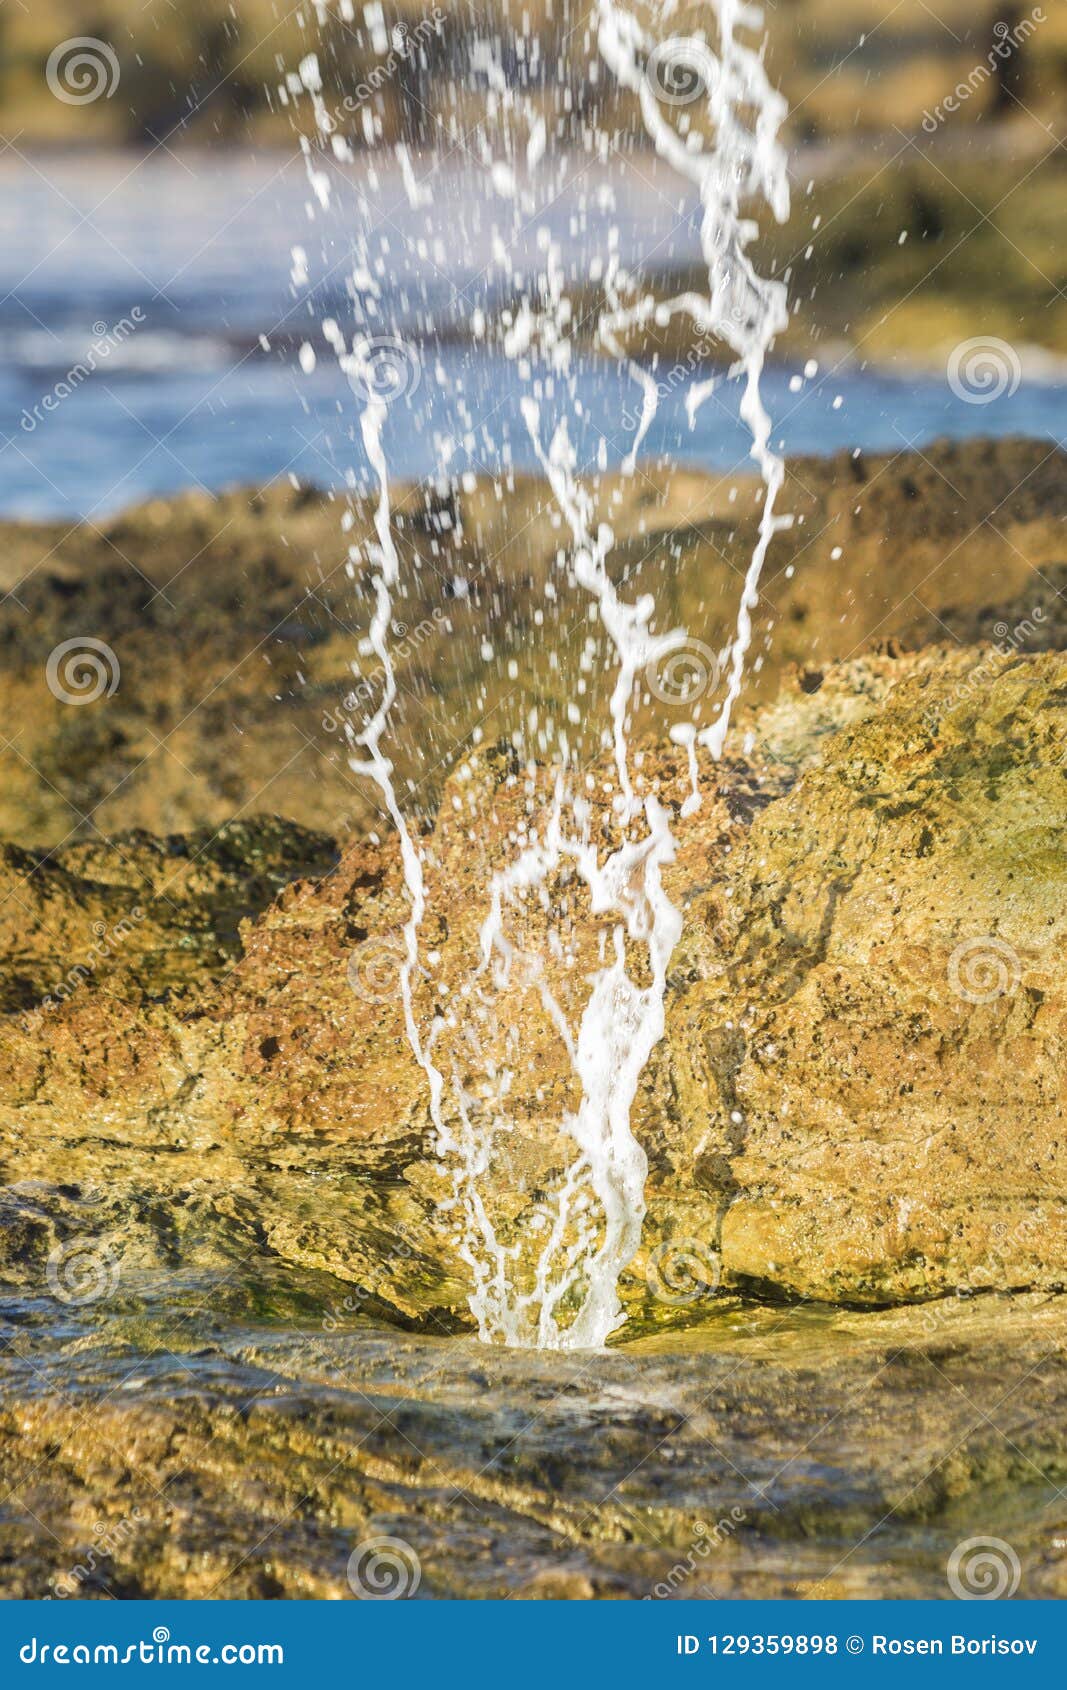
(600, 1205)
(590, 1243)
(591, 1223)
(746, 162)
(375, 367)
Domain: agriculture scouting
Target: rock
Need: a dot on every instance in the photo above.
(136, 914)
(232, 652)
(884, 1020)
(177, 1452)
(858, 1099)
(234, 1298)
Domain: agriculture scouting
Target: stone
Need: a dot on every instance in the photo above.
(235, 653)
(858, 1099)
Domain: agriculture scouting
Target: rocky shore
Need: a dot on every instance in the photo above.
(232, 1296)
(859, 1098)
(189, 1447)
(233, 625)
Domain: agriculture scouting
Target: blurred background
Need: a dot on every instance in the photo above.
(152, 189)
(175, 429)
(206, 71)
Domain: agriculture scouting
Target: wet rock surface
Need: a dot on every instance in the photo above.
(159, 1449)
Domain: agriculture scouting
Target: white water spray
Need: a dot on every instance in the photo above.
(744, 309)
(597, 1208)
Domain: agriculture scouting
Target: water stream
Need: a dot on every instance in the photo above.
(711, 115)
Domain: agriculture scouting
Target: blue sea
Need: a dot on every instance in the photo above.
(183, 269)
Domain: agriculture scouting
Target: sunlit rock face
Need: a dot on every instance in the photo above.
(974, 529)
(858, 1097)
